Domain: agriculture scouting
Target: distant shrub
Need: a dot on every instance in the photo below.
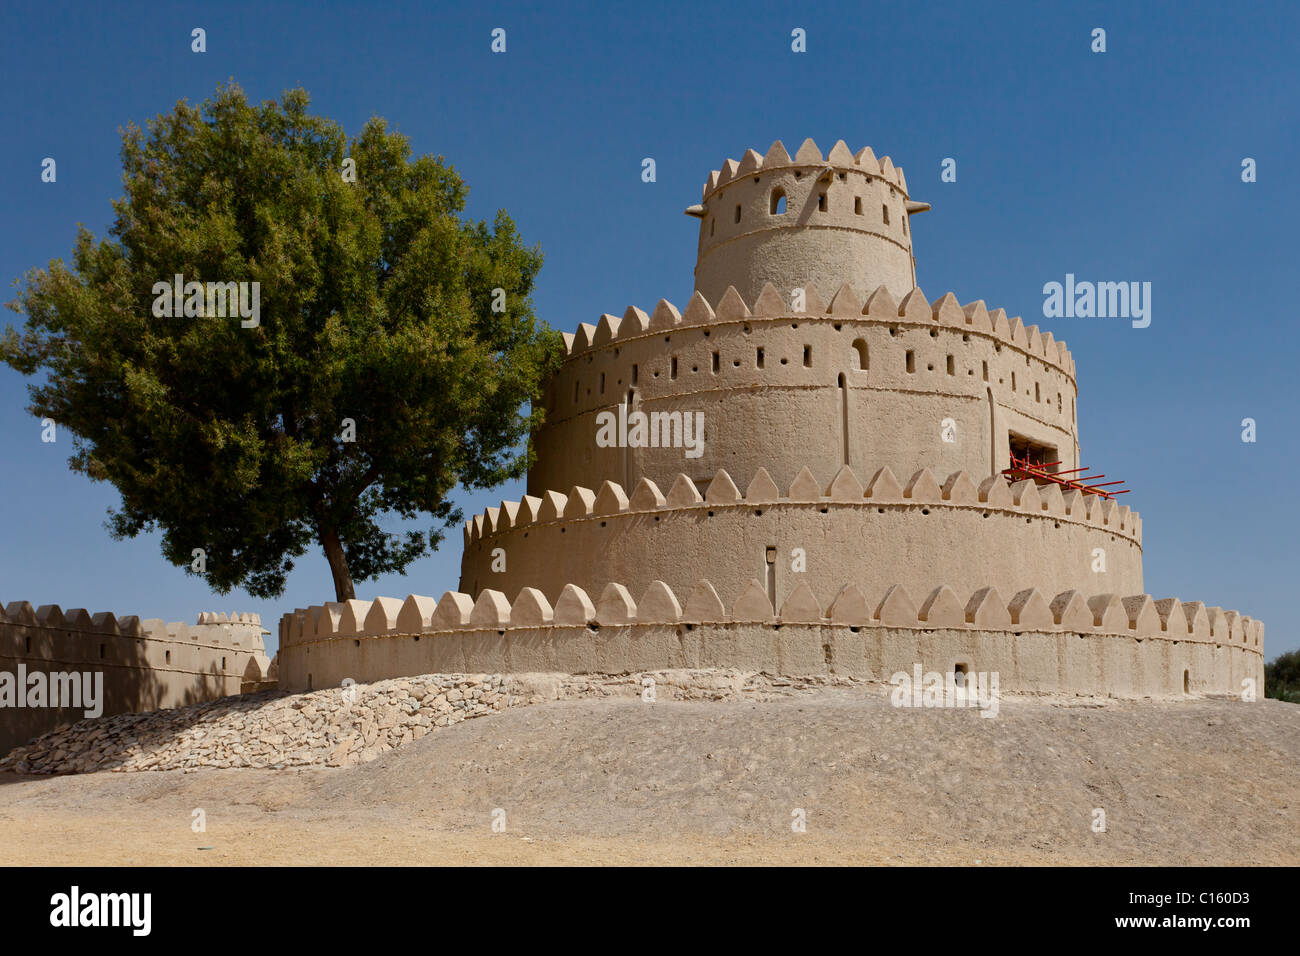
(1282, 677)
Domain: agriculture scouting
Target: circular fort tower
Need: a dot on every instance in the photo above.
(801, 472)
(805, 350)
(808, 221)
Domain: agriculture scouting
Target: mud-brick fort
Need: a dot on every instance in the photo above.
(883, 480)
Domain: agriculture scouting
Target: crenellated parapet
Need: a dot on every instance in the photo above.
(846, 306)
(1136, 645)
(943, 607)
(959, 489)
(808, 157)
(921, 529)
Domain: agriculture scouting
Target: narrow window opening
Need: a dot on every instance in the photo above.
(860, 360)
(715, 362)
(102, 651)
(844, 416)
(1038, 395)
(769, 571)
(672, 372)
(759, 358)
(1013, 381)
(634, 374)
(951, 366)
(821, 202)
(602, 383)
(985, 366)
(778, 201)
(807, 356)
(857, 205)
(1187, 682)
(712, 224)
(575, 393)
(884, 211)
(738, 212)
(911, 361)
(167, 658)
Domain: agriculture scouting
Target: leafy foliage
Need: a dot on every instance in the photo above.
(376, 305)
(1282, 677)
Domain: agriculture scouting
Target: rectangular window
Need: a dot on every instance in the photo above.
(911, 361)
(672, 371)
(807, 356)
(758, 358)
(884, 211)
(1036, 452)
(715, 363)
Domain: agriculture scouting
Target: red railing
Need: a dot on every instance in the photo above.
(1022, 468)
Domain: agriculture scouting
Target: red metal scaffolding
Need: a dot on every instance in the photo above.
(1022, 468)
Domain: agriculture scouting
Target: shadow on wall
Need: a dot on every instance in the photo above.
(102, 665)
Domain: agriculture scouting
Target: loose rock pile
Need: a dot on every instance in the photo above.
(339, 727)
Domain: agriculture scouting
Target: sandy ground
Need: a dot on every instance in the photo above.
(625, 782)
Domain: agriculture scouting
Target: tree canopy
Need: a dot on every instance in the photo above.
(394, 351)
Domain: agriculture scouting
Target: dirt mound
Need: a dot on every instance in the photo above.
(617, 779)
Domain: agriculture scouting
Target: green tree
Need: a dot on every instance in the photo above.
(1282, 677)
(378, 303)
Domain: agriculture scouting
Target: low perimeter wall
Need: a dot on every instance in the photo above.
(141, 665)
(1103, 645)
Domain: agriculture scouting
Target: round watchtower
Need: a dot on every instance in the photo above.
(807, 222)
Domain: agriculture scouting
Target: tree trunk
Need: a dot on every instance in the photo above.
(338, 566)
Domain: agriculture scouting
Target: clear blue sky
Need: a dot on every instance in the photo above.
(1117, 166)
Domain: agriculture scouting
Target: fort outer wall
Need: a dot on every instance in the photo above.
(1102, 645)
(147, 665)
(908, 384)
(917, 531)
